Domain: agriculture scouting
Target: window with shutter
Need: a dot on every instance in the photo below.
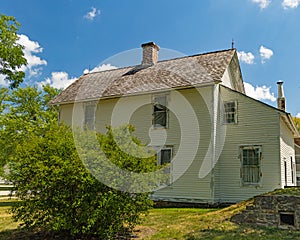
(251, 165)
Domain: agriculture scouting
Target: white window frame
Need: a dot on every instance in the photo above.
(227, 113)
(292, 171)
(158, 154)
(258, 148)
(166, 111)
(169, 169)
(89, 122)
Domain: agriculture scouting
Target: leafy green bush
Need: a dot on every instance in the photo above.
(59, 194)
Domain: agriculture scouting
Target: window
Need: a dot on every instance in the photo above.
(160, 111)
(230, 112)
(292, 171)
(251, 165)
(164, 157)
(89, 116)
(285, 174)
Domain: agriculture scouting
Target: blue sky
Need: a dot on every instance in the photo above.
(63, 38)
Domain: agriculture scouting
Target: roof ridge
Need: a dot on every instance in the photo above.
(199, 54)
(166, 60)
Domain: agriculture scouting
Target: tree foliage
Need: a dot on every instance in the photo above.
(11, 53)
(22, 111)
(297, 123)
(57, 192)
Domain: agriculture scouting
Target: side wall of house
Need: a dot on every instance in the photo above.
(257, 124)
(188, 134)
(287, 156)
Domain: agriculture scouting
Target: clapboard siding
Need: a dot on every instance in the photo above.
(287, 154)
(66, 113)
(257, 124)
(203, 180)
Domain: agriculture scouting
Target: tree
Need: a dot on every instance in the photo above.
(23, 110)
(58, 193)
(11, 53)
(297, 122)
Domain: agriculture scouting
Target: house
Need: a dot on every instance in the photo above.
(222, 145)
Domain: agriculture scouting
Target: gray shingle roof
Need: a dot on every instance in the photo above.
(180, 72)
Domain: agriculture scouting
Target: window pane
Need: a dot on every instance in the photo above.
(251, 165)
(160, 111)
(160, 119)
(165, 156)
(89, 116)
(230, 112)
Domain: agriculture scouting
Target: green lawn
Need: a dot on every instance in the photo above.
(193, 224)
(171, 223)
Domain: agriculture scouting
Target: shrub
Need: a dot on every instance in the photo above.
(59, 194)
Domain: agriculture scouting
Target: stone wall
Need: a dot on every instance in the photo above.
(281, 211)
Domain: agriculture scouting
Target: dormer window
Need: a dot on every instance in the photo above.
(230, 112)
(160, 111)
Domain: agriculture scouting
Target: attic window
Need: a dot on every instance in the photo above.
(230, 112)
(160, 111)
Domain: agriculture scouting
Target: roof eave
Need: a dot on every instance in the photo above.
(137, 93)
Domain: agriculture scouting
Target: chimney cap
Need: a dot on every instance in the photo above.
(150, 44)
(280, 82)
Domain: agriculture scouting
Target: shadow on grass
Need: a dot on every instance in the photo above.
(244, 232)
(18, 234)
(7, 203)
(32, 235)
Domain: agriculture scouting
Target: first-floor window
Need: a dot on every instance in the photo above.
(292, 170)
(89, 116)
(251, 165)
(164, 158)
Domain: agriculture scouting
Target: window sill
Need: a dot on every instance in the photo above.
(251, 185)
(158, 128)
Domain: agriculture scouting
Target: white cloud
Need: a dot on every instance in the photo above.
(286, 4)
(298, 115)
(262, 3)
(265, 54)
(103, 67)
(259, 93)
(246, 57)
(34, 62)
(92, 14)
(59, 80)
(3, 82)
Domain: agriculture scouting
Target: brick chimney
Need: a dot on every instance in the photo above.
(150, 53)
(280, 97)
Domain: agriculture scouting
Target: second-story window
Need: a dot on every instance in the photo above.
(230, 112)
(160, 111)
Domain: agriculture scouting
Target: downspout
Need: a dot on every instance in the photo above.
(214, 119)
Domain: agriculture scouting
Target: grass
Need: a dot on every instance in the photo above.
(7, 225)
(171, 223)
(194, 224)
